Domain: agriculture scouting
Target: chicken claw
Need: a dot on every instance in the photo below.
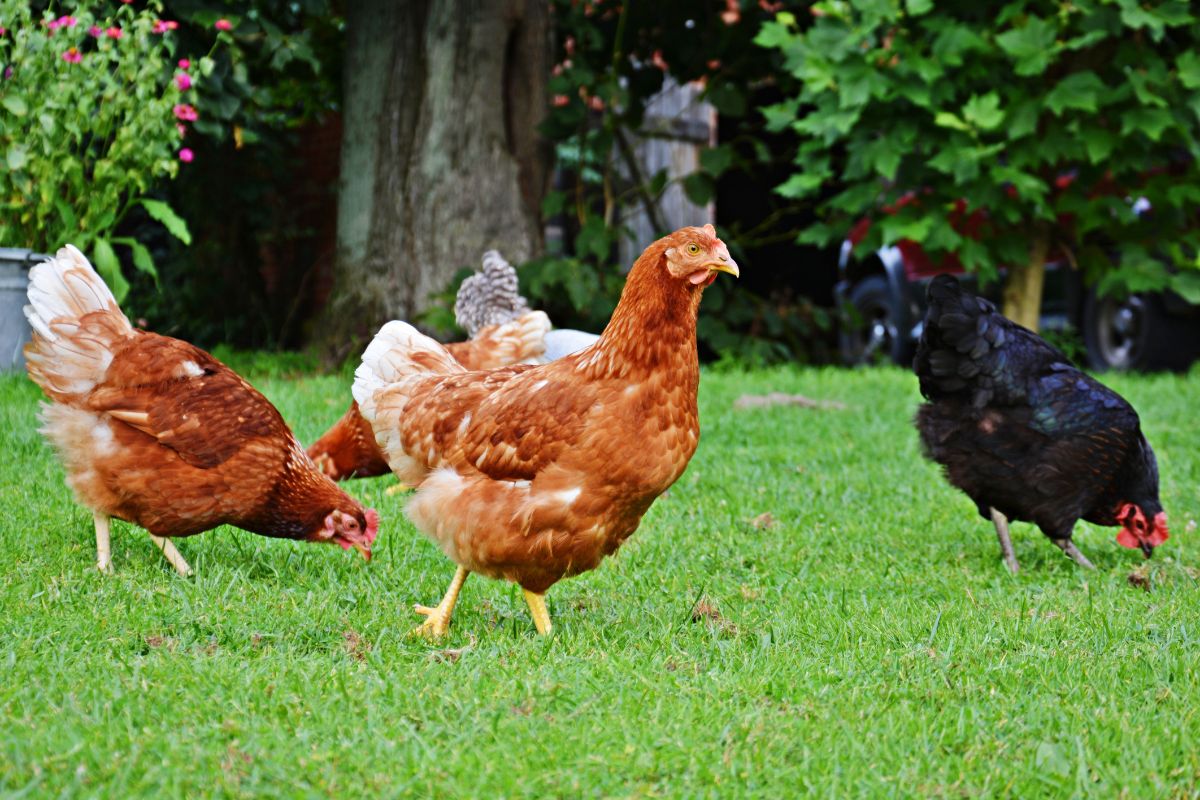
(438, 621)
(537, 609)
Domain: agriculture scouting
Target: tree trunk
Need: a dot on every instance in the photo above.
(441, 158)
(1023, 288)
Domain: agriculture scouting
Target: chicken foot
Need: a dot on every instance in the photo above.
(103, 543)
(173, 555)
(439, 616)
(1068, 547)
(539, 612)
(1006, 548)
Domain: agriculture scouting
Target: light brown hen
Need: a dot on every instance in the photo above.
(348, 449)
(156, 431)
(535, 473)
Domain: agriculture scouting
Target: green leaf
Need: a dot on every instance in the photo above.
(142, 259)
(1098, 142)
(171, 221)
(1150, 121)
(105, 260)
(69, 220)
(952, 43)
(774, 34)
(1188, 68)
(727, 99)
(1023, 118)
(916, 8)
(1081, 90)
(947, 120)
(1186, 284)
(984, 112)
(699, 188)
(15, 104)
(17, 157)
(801, 184)
(716, 160)
(1031, 47)
(780, 115)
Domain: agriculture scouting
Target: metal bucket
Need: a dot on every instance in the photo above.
(14, 282)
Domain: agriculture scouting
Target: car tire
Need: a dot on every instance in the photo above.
(1136, 333)
(870, 331)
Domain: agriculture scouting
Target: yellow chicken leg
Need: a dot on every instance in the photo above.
(103, 544)
(537, 608)
(173, 555)
(439, 617)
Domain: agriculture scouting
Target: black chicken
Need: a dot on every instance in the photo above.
(1026, 435)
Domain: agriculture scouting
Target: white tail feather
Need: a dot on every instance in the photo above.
(68, 355)
(397, 352)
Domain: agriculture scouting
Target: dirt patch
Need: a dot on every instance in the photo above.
(781, 399)
(764, 521)
(357, 647)
(705, 611)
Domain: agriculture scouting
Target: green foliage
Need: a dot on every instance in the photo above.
(1038, 115)
(87, 129)
(614, 58)
(867, 642)
(261, 198)
(278, 66)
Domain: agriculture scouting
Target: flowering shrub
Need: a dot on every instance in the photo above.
(93, 110)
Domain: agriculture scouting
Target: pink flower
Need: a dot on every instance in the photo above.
(179, 126)
(185, 64)
(162, 26)
(95, 31)
(3, 30)
(72, 56)
(186, 155)
(183, 81)
(560, 100)
(67, 22)
(184, 112)
(223, 25)
(7, 73)
(126, 2)
(114, 33)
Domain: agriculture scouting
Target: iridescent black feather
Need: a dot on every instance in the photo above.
(1017, 427)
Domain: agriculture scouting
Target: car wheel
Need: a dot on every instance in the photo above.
(1135, 333)
(870, 334)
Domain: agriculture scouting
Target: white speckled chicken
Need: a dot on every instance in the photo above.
(491, 297)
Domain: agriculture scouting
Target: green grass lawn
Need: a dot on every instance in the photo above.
(867, 642)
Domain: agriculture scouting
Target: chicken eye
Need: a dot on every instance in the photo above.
(693, 249)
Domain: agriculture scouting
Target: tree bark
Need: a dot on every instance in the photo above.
(1023, 287)
(441, 158)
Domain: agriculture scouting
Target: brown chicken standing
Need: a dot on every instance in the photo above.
(535, 473)
(348, 449)
(155, 431)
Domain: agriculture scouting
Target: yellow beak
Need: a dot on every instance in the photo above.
(726, 264)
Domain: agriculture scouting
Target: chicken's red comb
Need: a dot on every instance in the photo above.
(372, 524)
